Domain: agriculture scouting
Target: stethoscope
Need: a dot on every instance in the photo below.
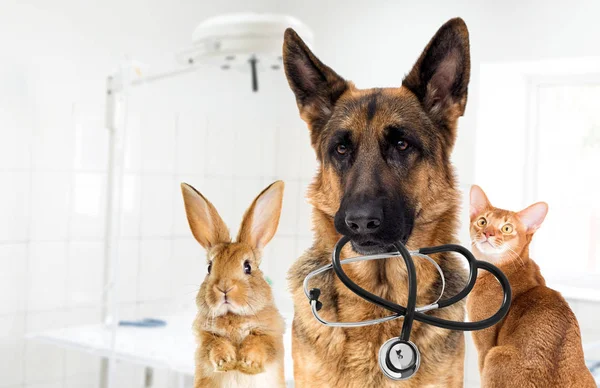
(399, 358)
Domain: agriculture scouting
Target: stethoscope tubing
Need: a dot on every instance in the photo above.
(328, 267)
(409, 312)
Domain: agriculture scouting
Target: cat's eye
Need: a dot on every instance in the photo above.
(481, 221)
(507, 229)
(247, 267)
(209, 266)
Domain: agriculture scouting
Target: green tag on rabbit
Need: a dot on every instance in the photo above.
(269, 281)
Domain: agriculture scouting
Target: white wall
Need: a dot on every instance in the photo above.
(53, 63)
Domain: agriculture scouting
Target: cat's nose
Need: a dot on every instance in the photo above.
(488, 233)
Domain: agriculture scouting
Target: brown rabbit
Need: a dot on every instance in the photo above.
(238, 328)
(538, 344)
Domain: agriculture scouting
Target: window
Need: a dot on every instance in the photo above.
(565, 166)
(538, 139)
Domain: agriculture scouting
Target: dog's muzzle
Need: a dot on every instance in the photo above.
(399, 358)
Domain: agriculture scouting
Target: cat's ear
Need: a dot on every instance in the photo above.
(440, 77)
(533, 216)
(316, 86)
(478, 201)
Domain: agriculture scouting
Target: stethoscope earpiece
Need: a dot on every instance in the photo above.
(399, 359)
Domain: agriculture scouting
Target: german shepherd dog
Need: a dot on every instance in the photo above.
(384, 176)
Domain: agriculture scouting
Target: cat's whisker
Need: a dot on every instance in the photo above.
(507, 249)
(511, 257)
(515, 254)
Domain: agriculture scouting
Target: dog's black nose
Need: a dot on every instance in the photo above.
(364, 219)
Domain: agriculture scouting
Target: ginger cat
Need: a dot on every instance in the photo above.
(538, 344)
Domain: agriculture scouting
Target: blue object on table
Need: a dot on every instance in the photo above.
(146, 322)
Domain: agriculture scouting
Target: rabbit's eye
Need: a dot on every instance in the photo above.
(209, 266)
(247, 268)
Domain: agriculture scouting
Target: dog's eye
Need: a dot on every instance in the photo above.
(402, 145)
(209, 266)
(341, 149)
(247, 268)
(399, 139)
(481, 221)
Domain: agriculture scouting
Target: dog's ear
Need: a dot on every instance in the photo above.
(315, 85)
(440, 77)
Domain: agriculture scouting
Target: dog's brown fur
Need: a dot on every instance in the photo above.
(427, 106)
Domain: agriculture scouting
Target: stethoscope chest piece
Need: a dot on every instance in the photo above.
(399, 359)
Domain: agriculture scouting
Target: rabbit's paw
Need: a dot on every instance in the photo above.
(223, 357)
(251, 360)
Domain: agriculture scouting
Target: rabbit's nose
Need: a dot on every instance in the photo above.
(225, 290)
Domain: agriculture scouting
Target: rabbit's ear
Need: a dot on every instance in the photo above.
(206, 224)
(262, 217)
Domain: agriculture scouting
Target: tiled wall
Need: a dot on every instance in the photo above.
(54, 179)
(51, 252)
(52, 207)
(207, 129)
(229, 156)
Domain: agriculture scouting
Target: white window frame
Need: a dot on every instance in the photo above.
(533, 130)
